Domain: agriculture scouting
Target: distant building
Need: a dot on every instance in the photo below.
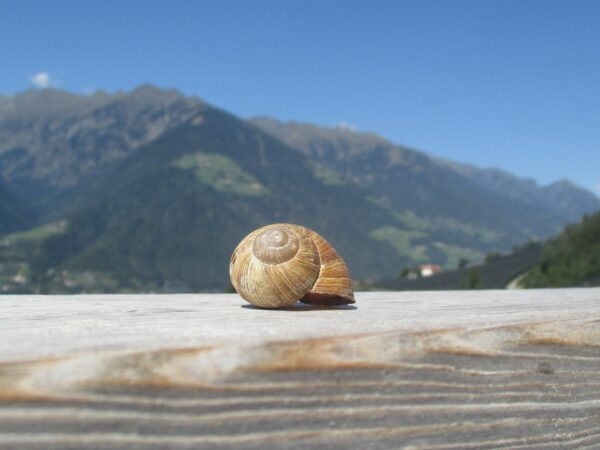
(19, 278)
(426, 270)
(423, 270)
(412, 275)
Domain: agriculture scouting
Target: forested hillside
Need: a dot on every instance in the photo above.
(570, 259)
(13, 215)
(169, 216)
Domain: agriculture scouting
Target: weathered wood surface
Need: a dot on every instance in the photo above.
(397, 370)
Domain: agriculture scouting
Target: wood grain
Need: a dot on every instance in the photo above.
(444, 370)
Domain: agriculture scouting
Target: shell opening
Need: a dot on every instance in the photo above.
(314, 298)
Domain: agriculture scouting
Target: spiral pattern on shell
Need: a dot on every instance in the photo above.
(279, 264)
(275, 245)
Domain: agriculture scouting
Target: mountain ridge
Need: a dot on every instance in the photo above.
(190, 209)
(52, 141)
(562, 196)
(156, 189)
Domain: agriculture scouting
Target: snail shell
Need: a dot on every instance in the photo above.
(277, 265)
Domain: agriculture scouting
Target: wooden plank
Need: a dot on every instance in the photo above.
(470, 369)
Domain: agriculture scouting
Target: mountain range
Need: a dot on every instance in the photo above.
(53, 143)
(371, 160)
(156, 189)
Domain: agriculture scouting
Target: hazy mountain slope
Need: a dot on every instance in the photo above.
(563, 197)
(570, 259)
(172, 213)
(407, 180)
(338, 148)
(52, 142)
(571, 199)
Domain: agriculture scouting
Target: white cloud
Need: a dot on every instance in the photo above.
(598, 187)
(346, 126)
(40, 80)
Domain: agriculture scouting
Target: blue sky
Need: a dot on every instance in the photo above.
(511, 84)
